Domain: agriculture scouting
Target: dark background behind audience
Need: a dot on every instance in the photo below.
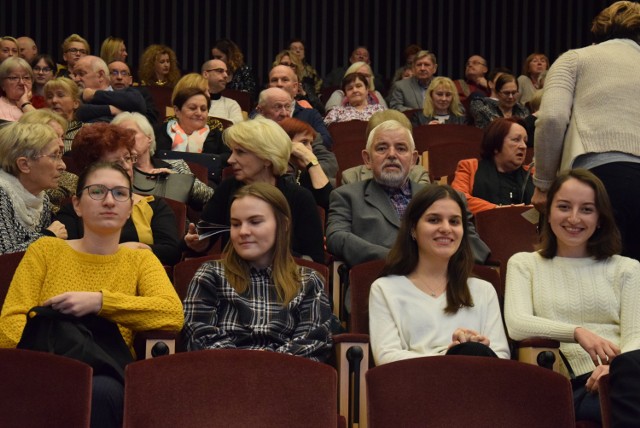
(502, 31)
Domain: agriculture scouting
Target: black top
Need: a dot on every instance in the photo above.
(306, 233)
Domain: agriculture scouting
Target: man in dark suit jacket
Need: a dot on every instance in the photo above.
(364, 217)
(121, 78)
(408, 94)
(100, 101)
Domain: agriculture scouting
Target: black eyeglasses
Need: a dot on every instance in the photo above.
(99, 192)
(77, 51)
(42, 69)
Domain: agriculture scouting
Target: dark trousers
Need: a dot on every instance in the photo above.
(586, 404)
(107, 402)
(624, 380)
(622, 181)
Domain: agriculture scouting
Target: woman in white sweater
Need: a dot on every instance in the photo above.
(575, 289)
(425, 303)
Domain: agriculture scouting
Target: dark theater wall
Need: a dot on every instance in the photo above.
(504, 31)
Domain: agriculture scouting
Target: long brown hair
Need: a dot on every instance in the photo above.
(606, 240)
(404, 255)
(284, 271)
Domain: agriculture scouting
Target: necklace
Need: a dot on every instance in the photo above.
(430, 291)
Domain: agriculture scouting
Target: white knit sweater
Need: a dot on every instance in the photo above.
(591, 104)
(550, 298)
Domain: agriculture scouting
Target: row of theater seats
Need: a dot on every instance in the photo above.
(233, 388)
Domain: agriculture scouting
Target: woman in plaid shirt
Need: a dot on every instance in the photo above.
(256, 297)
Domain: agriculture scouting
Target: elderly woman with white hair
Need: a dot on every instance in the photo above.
(260, 152)
(338, 97)
(145, 147)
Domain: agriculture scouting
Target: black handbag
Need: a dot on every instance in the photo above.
(91, 339)
(212, 162)
(173, 186)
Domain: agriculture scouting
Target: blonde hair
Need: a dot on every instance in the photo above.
(64, 83)
(284, 271)
(353, 68)
(191, 80)
(147, 67)
(23, 140)
(299, 69)
(382, 116)
(264, 138)
(75, 38)
(455, 107)
(110, 49)
(620, 20)
(43, 116)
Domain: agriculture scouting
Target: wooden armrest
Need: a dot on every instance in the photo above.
(155, 343)
(532, 351)
(342, 344)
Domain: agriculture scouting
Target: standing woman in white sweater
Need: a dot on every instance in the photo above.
(575, 289)
(425, 303)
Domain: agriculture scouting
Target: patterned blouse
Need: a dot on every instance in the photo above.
(346, 113)
(216, 316)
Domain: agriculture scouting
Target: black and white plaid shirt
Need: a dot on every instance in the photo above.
(216, 316)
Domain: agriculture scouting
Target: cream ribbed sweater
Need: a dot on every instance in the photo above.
(550, 298)
(136, 292)
(590, 104)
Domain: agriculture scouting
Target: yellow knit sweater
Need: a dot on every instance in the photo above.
(136, 292)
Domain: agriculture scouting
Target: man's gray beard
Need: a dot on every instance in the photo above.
(393, 180)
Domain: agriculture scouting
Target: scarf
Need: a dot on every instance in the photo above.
(28, 207)
(186, 143)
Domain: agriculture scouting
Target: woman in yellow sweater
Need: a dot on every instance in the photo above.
(95, 275)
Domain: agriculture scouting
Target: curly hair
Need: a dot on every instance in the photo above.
(235, 58)
(147, 67)
(93, 142)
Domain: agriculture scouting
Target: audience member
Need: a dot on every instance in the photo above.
(258, 279)
(530, 121)
(364, 217)
(306, 95)
(152, 225)
(8, 48)
(303, 163)
(121, 78)
(484, 110)
(241, 76)
(575, 288)
(356, 106)
(474, 81)
(441, 105)
(337, 98)
(260, 152)
(66, 181)
(408, 94)
(215, 71)
(63, 97)
(31, 160)
(500, 177)
(28, 48)
(426, 303)
(74, 47)
(531, 78)
(408, 55)
(158, 66)
(113, 49)
(589, 119)
(145, 147)
(91, 277)
(417, 173)
(100, 102)
(285, 78)
(189, 131)
(359, 54)
(276, 104)
(309, 74)
(16, 78)
(43, 68)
